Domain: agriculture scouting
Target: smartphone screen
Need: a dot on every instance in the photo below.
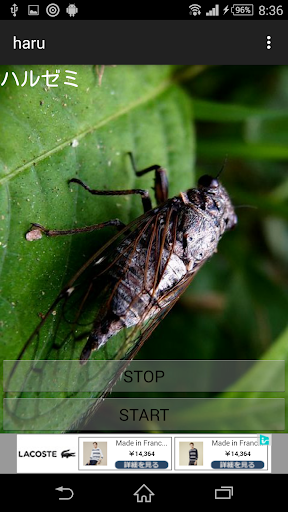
(143, 243)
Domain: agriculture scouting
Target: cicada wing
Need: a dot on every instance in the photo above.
(134, 340)
(136, 336)
(75, 295)
(143, 330)
(55, 338)
(62, 331)
(72, 315)
(159, 244)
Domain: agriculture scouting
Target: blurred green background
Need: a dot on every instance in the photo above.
(237, 306)
(191, 120)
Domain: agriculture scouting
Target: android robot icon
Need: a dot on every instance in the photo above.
(72, 10)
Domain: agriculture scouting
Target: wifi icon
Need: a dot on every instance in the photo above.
(195, 9)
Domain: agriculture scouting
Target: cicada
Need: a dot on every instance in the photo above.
(140, 273)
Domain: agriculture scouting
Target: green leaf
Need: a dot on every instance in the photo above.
(49, 135)
(225, 415)
(278, 351)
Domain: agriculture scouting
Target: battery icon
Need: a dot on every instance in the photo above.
(242, 9)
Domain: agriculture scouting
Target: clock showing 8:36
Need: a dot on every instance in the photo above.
(272, 10)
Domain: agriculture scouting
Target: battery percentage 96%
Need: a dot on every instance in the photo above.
(242, 9)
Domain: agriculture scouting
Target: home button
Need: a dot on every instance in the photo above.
(144, 494)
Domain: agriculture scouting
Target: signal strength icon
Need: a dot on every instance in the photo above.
(195, 9)
(214, 11)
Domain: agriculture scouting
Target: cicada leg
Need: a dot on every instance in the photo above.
(161, 195)
(146, 201)
(161, 181)
(161, 186)
(37, 229)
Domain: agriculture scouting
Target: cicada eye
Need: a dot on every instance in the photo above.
(208, 182)
(231, 221)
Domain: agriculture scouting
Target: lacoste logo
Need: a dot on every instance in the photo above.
(66, 453)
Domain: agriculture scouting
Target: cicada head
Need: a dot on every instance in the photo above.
(216, 201)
